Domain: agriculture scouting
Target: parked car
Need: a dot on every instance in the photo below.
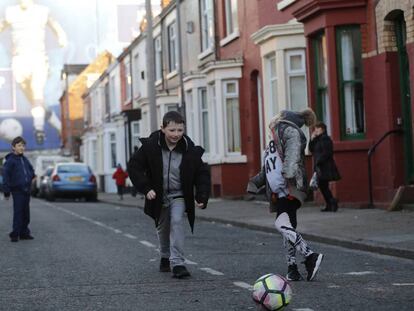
(41, 163)
(71, 180)
(44, 179)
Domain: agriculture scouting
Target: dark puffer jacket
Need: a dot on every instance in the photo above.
(17, 174)
(323, 162)
(145, 170)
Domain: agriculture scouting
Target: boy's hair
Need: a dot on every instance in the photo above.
(172, 116)
(321, 125)
(17, 140)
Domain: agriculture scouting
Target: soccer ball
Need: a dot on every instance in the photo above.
(272, 292)
(10, 128)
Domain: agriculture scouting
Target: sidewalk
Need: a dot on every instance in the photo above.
(375, 230)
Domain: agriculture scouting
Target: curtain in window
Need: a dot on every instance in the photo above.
(233, 125)
(352, 88)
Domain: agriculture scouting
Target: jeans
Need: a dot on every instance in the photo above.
(170, 231)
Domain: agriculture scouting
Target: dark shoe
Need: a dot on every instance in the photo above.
(26, 237)
(165, 265)
(327, 208)
(180, 272)
(14, 239)
(312, 263)
(293, 273)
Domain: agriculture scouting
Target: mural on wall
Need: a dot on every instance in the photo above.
(37, 37)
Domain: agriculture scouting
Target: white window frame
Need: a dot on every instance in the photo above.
(232, 24)
(206, 25)
(172, 47)
(205, 144)
(112, 142)
(273, 95)
(158, 58)
(112, 94)
(135, 135)
(128, 81)
(295, 73)
(226, 96)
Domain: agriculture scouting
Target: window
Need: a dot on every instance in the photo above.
(112, 146)
(296, 80)
(206, 15)
(232, 24)
(107, 99)
(128, 81)
(158, 58)
(204, 126)
(112, 94)
(322, 109)
(349, 55)
(172, 48)
(272, 83)
(231, 100)
(135, 135)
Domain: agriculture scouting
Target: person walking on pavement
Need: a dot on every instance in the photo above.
(17, 179)
(324, 165)
(169, 170)
(120, 177)
(283, 176)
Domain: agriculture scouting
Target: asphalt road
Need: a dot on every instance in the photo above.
(98, 256)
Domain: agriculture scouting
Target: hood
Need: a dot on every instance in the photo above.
(12, 155)
(299, 118)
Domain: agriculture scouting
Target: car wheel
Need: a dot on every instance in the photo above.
(92, 198)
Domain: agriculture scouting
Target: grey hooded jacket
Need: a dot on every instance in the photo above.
(290, 143)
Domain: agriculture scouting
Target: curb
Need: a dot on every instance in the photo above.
(397, 252)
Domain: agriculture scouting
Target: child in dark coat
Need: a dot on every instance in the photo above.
(169, 171)
(321, 147)
(17, 178)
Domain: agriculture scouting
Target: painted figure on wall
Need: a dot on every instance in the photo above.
(28, 22)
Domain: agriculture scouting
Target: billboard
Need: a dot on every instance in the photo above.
(37, 37)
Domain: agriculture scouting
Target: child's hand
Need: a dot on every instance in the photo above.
(199, 205)
(151, 195)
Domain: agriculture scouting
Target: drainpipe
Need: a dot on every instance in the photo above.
(180, 60)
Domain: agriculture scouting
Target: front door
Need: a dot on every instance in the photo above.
(401, 35)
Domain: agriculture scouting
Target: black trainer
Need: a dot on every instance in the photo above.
(293, 273)
(14, 239)
(180, 272)
(26, 237)
(165, 265)
(312, 263)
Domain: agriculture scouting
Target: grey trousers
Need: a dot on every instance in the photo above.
(170, 232)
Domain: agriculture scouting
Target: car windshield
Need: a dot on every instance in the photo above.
(73, 169)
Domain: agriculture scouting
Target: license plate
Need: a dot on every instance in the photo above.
(76, 178)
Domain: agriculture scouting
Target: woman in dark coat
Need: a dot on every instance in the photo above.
(324, 165)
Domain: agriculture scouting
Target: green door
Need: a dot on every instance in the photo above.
(401, 35)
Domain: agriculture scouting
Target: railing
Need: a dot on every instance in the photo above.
(370, 153)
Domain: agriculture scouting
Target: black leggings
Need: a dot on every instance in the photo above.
(326, 192)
